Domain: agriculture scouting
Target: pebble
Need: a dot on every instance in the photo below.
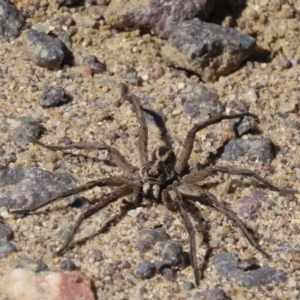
(6, 248)
(30, 264)
(53, 96)
(67, 266)
(92, 62)
(6, 233)
(44, 50)
(145, 269)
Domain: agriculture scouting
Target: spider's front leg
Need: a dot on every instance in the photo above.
(194, 192)
(202, 174)
(118, 158)
(143, 131)
(189, 140)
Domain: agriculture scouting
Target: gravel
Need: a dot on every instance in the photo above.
(261, 85)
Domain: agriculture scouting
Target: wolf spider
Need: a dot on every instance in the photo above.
(162, 178)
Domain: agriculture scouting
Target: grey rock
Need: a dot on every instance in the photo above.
(44, 50)
(26, 187)
(20, 129)
(148, 238)
(249, 205)
(6, 233)
(213, 294)
(6, 248)
(67, 266)
(200, 102)
(158, 16)
(92, 62)
(243, 125)
(254, 149)
(161, 265)
(30, 264)
(97, 255)
(227, 266)
(52, 96)
(11, 19)
(207, 49)
(172, 252)
(144, 269)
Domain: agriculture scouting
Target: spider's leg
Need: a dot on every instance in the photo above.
(118, 158)
(189, 227)
(143, 131)
(137, 194)
(111, 181)
(202, 174)
(120, 192)
(189, 140)
(196, 193)
(176, 197)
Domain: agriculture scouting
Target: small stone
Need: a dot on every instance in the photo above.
(11, 19)
(30, 264)
(67, 266)
(46, 285)
(6, 248)
(285, 63)
(227, 266)
(97, 255)
(44, 50)
(145, 269)
(255, 149)
(92, 62)
(20, 129)
(148, 238)
(6, 233)
(172, 252)
(52, 96)
(199, 102)
(250, 204)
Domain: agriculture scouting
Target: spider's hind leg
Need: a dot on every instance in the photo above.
(112, 181)
(120, 192)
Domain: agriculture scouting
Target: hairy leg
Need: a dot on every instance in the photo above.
(120, 192)
(143, 131)
(196, 193)
(202, 174)
(118, 158)
(177, 200)
(112, 181)
(189, 140)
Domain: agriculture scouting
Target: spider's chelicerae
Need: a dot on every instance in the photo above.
(162, 178)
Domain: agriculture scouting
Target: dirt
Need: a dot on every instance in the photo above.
(266, 84)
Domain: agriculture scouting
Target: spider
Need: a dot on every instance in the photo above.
(162, 178)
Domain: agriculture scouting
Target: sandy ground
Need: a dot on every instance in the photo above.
(269, 90)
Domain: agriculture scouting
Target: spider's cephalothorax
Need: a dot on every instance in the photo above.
(158, 172)
(163, 178)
